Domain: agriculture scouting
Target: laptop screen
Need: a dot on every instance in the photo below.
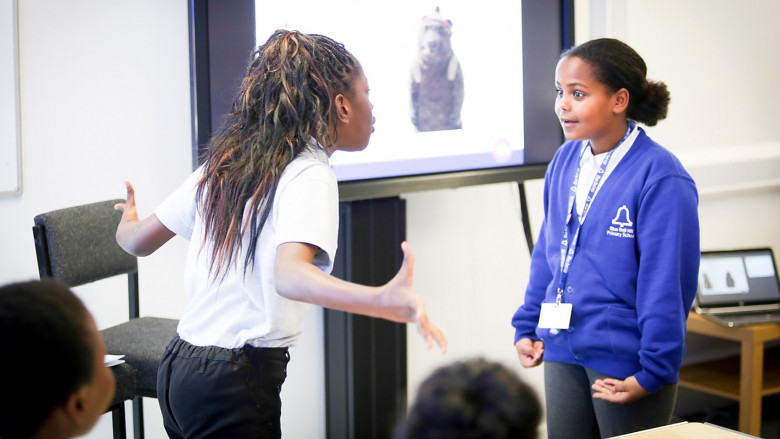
(737, 278)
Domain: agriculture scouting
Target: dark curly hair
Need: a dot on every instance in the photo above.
(286, 98)
(37, 317)
(617, 65)
(472, 399)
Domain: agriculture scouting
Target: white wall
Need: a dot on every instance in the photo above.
(104, 91)
(105, 97)
(471, 267)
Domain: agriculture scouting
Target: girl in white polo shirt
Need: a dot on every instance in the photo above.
(261, 215)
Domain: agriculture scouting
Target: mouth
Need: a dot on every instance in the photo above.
(568, 122)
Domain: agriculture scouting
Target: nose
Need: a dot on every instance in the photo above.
(563, 103)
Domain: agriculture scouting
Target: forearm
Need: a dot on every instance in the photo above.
(302, 281)
(144, 237)
(296, 278)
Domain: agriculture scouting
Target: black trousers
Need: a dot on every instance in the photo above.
(212, 392)
(572, 413)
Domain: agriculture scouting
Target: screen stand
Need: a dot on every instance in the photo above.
(365, 358)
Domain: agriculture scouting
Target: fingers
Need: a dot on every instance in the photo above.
(606, 386)
(130, 193)
(130, 198)
(428, 330)
(408, 263)
(431, 333)
(607, 390)
(530, 353)
(618, 391)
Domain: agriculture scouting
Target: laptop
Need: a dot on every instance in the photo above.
(738, 287)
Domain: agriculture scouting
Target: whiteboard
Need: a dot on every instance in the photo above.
(10, 144)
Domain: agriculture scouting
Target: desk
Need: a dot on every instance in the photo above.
(746, 378)
(686, 430)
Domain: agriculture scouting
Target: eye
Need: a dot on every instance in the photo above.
(558, 92)
(579, 94)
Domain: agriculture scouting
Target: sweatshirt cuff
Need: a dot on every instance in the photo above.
(648, 381)
(523, 334)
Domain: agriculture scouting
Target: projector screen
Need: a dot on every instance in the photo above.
(462, 91)
(483, 40)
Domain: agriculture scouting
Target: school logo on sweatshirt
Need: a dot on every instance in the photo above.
(622, 226)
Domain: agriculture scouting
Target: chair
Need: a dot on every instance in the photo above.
(124, 374)
(77, 245)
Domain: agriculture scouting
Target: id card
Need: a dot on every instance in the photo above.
(555, 316)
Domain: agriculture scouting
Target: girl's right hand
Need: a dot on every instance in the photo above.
(399, 302)
(530, 352)
(139, 237)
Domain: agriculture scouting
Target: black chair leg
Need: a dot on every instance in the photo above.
(138, 418)
(118, 422)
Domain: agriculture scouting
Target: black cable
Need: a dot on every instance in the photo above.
(524, 217)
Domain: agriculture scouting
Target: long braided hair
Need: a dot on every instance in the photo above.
(285, 99)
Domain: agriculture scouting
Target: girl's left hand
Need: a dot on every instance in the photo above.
(619, 391)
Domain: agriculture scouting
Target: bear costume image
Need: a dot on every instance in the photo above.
(437, 79)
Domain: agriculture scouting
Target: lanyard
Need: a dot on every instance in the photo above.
(569, 248)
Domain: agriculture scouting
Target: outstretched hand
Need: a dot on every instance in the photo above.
(129, 211)
(140, 238)
(400, 303)
(529, 352)
(619, 391)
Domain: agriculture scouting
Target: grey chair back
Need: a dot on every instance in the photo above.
(77, 245)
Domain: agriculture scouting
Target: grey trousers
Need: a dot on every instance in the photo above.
(572, 412)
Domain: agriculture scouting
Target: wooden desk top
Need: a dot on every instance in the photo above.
(753, 333)
(687, 430)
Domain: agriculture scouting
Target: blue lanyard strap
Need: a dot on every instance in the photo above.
(569, 248)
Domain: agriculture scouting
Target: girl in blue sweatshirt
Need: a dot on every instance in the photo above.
(613, 274)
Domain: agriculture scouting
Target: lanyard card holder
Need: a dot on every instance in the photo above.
(555, 316)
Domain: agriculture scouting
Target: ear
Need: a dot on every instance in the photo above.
(75, 410)
(343, 108)
(620, 98)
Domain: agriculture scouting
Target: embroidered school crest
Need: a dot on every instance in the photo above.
(622, 226)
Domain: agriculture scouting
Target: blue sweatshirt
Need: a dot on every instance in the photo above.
(634, 274)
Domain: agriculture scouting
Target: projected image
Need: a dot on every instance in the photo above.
(445, 79)
(437, 78)
(723, 276)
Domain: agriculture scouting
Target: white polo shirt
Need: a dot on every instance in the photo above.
(590, 163)
(238, 310)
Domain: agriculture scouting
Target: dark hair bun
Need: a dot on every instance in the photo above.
(651, 105)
